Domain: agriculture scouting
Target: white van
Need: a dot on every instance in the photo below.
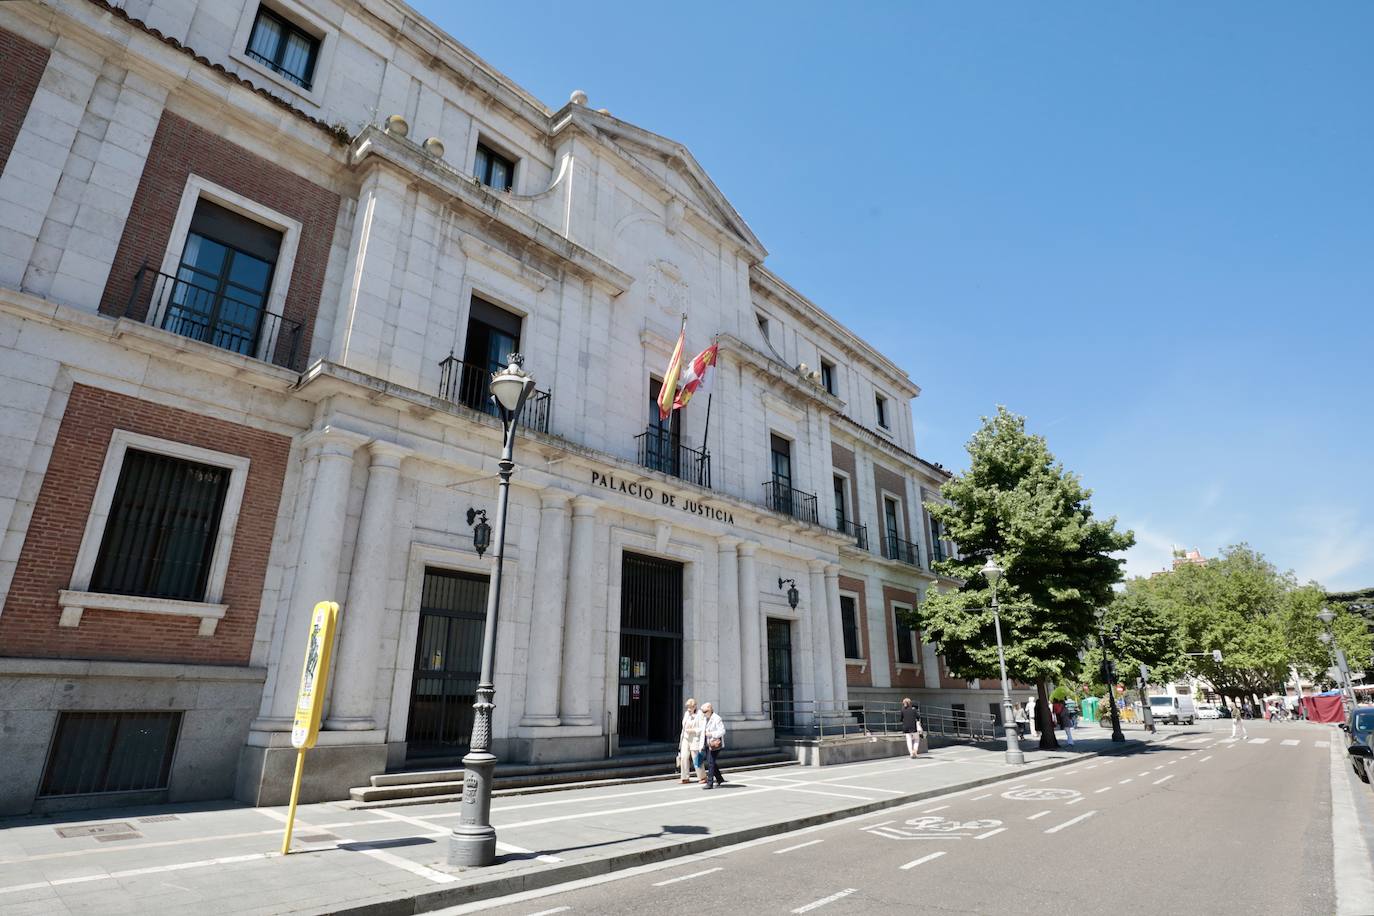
(1176, 710)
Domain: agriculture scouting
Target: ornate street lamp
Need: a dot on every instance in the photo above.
(1327, 616)
(473, 841)
(1107, 674)
(793, 596)
(481, 532)
(993, 573)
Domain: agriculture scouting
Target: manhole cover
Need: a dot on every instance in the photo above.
(158, 819)
(116, 837)
(95, 830)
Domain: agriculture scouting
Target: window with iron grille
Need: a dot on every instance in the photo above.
(164, 520)
(849, 624)
(906, 654)
(493, 169)
(110, 752)
(284, 47)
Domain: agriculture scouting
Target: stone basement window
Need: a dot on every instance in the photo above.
(160, 531)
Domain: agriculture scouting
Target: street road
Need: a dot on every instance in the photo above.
(1199, 823)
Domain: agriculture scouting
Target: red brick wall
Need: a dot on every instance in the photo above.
(28, 626)
(22, 62)
(181, 148)
(883, 479)
(853, 676)
(906, 677)
(843, 460)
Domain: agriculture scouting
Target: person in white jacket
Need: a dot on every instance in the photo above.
(689, 743)
(713, 733)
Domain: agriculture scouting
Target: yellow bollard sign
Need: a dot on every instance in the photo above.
(305, 729)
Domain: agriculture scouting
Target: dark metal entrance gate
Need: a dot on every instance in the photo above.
(650, 650)
(448, 657)
(780, 672)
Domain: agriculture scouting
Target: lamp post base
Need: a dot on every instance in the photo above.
(473, 841)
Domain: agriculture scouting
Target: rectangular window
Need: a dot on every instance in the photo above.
(284, 47)
(110, 752)
(493, 169)
(493, 335)
(906, 648)
(881, 403)
(828, 376)
(937, 546)
(849, 623)
(841, 516)
(164, 521)
(893, 529)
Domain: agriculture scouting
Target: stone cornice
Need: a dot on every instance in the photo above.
(746, 354)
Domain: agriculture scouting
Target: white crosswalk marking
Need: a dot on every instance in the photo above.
(1290, 742)
(1259, 740)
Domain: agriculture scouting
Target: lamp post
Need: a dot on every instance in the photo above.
(992, 573)
(1105, 641)
(1326, 616)
(473, 841)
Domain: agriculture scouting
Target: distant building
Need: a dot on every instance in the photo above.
(1186, 557)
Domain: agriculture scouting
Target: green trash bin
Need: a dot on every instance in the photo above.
(1088, 709)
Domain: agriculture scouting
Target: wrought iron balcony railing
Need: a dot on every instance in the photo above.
(789, 501)
(858, 532)
(216, 317)
(894, 548)
(660, 450)
(470, 385)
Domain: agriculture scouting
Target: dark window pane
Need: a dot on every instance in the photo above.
(493, 169)
(849, 622)
(110, 752)
(283, 47)
(905, 653)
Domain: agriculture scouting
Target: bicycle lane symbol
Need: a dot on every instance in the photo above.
(934, 828)
(1046, 794)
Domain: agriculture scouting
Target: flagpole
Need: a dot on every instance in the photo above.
(715, 341)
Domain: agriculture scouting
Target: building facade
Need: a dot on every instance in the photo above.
(257, 263)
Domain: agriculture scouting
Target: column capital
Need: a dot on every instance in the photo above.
(816, 564)
(832, 570)
(388, 454)
(727, 544)
(331, 440)
(585, 506)
(748, 548)
(552, 498)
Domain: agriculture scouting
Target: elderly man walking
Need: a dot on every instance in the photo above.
(713, 734)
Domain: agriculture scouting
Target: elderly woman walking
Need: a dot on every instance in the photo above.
(911, 727)
(713, 733)
(689, 743)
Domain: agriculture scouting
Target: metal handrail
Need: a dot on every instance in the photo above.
(790, 501)
(829, 721)
(470, 385)
(895, 548)
(660, 450)
(858, 532)
(214, 317)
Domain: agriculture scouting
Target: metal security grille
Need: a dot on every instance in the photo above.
(110, 752)
(780, 672)
(650, 649)
(162, 528)
(448, 660)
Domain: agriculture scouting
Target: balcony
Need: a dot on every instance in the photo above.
(215, 317)
(894, 548)
(858, 532)
(470, 385)
(659, 450)
(789, 501)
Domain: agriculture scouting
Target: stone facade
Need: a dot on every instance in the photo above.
(353, 442)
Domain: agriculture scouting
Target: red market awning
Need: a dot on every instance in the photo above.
(1324, 708)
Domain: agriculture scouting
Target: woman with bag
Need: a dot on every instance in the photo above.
(689, 742)
(911, 728)
(713, 733)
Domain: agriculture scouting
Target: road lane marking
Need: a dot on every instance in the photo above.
(1040, 814)
(1091, 767)
(695, 874)
(1290, 742)
(1146, 773)
(1126, 780)
(557, 909)
(1076, 800)
(921, 861)
(1069, 823)
(1205, 759)
(1101, 790)
(824, 900)
(936, 808)
(984, 836)
(778, 852)
(1047, 779)
(1259, 740)
(1165, 779)
(1160, 767)
(980, 797)
(415, 868)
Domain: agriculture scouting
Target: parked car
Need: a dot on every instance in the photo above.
(1358, 727)
(1177, 710)
(1208, 711)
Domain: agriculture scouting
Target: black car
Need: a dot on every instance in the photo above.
(1359, 727)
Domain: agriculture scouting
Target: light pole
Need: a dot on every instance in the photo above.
(473, 841)
(1326, 616)
(992, 573)
(1107, 672)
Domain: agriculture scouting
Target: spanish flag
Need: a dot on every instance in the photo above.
(668, 394)
(695, 377)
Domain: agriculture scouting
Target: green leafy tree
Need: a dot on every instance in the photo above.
(1150, 635)
(1017, 503)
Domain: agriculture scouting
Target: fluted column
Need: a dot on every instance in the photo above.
(576, 701)
(727, 575)
(837, 654)
(355, 681)
(817, 616)
(751, 666)
(317, 566)
(544, 667)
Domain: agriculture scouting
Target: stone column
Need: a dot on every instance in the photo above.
(822, 665)
(544, 668)
(317, 566)
(576, 700)
(727, 580)
(353, 700)
(837, 654)
(751, 665)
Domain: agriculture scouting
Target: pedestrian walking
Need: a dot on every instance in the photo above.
(911, 728)
(1238, 724)
(689, 743)
(1065, 722)
(713, 734)
(1030, 717)
(1018, 715)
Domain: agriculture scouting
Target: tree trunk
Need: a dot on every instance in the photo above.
(1045, 716)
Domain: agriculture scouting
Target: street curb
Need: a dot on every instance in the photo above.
(575, 871)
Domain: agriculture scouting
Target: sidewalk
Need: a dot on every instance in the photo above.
(224, 859)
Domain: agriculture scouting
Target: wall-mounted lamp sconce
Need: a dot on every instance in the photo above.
(481, 532)
(793, 596)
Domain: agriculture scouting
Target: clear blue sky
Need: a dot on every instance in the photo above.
(1149, 227)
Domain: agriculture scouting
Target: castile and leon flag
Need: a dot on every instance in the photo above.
(679, 382)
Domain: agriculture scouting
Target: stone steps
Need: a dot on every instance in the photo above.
(428, 786)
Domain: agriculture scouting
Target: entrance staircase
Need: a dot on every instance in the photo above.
(656, 762)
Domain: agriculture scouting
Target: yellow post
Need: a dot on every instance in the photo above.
(319, 647)
(295, 794)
